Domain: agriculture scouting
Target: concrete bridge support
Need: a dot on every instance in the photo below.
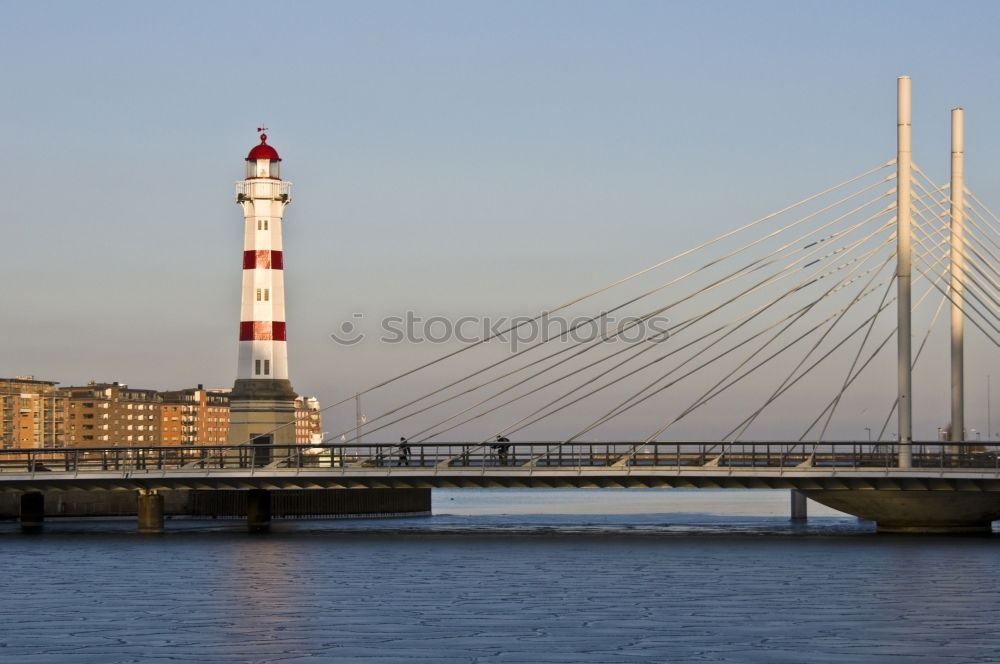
(150, 512)
(258, 510)
(901, 511)
(799, 508)
(32, 511)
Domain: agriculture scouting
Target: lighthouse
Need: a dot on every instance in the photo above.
(262, 403)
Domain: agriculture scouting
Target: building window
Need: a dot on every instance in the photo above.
(267, 367)
(262, 224)
(267, 294)
(258, 295)
(256, 367)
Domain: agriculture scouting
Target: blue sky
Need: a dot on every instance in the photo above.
(448, 157)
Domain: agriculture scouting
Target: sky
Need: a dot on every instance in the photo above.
(448, 158)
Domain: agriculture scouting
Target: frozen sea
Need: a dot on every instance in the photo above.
(505, 576)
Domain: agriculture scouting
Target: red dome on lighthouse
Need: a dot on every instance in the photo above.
(263, 151)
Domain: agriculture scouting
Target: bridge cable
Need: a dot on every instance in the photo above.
(813, 278)
(685, 324)
(750, 267)
(966, 244)
(973, 261)
(715, 391)
(965, 294)
(973, 228)
(966, 305)
(995, 229)
(645, 270)
(865, 291)
(626, 405)
(872, 356)
(969, 279)
(913, 366)
(849, 378)
(741, 428)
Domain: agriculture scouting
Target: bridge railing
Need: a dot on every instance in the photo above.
(524, 455)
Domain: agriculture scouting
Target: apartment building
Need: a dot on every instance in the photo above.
(33, 413)
(112, 415)
(308, 421)
(194, 416)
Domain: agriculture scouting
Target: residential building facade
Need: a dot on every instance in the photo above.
(308, 421)
(112, 415)
(194, 416)
(33, 413)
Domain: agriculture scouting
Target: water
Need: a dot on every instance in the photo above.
(505, 576)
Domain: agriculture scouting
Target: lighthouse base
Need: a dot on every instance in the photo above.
(256, 389)
(262, 412)
(946, 512)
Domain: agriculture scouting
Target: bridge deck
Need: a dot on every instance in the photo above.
(848, 465)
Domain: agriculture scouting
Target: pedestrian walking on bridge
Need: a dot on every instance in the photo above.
(404, 452)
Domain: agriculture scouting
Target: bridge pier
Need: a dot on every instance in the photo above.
(800, 511)
(32, 511)
(258, 510)
(901, 511)
(149, 510)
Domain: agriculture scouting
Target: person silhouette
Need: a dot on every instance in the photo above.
(404, 452)
(502, 446)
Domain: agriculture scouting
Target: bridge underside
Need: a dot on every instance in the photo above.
(917, 511)
(423, 478)
(858, 481)
(950, 501)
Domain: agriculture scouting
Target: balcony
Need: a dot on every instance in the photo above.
(275, 190)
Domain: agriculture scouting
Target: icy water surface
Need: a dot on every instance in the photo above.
(505, 576)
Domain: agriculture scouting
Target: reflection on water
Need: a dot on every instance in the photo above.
(505, 576)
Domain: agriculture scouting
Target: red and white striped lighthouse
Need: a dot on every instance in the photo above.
(262, 400)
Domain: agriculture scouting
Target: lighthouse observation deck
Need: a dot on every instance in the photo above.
(277, 190)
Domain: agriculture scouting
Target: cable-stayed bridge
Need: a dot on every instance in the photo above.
(792, 321)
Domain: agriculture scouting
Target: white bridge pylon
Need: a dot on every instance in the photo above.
(731, 335)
